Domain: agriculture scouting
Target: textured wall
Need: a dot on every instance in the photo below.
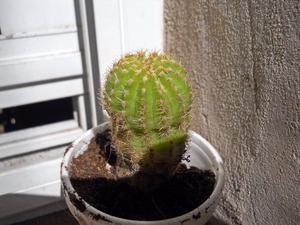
(243, 57)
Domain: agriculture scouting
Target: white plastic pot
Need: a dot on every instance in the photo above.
(202, 155)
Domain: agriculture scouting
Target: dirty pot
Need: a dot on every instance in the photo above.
(202, 155)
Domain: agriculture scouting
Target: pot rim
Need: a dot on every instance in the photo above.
(196, 138)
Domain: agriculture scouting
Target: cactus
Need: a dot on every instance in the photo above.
(148, 99)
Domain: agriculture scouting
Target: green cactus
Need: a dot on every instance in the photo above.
(149, 99)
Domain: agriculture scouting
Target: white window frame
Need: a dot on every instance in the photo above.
(107, 29)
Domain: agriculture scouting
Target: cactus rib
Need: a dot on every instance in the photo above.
(149, 99)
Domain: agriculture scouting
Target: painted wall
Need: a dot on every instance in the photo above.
(243, 57)
(125, 26)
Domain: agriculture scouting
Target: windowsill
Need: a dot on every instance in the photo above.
(30, 190)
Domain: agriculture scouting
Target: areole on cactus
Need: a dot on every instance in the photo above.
(148, 99)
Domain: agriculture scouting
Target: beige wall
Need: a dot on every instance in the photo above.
(243, 57)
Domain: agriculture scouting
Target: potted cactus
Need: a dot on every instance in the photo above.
(145, 158)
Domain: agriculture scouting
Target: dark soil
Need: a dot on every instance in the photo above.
(185, 191)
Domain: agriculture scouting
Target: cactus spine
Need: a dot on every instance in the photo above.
(148, 99)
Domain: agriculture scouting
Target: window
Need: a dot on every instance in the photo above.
(38, 126)
(52, 56)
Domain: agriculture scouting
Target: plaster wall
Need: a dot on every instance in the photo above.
(243, 58)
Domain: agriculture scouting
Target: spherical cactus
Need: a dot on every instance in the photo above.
(148, 99)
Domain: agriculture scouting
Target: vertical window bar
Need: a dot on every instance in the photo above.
(87, 36)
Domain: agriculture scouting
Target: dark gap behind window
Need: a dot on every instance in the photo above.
(37, 114)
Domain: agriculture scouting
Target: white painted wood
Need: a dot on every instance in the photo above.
(79, 111)
(37, 197)
(143, 24)
(13, 49)
(75, 109)
(50, 189)
(121, 26)
(39, 142)
(82, 115)
(43, 92)
(90, 51)
(121, 19)
(39, 43)
(24, 160)
(37, 131)
(26, 178)
(22, 16)
(126, 26)
(30, 191)
(15, 72)
(107, 19)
